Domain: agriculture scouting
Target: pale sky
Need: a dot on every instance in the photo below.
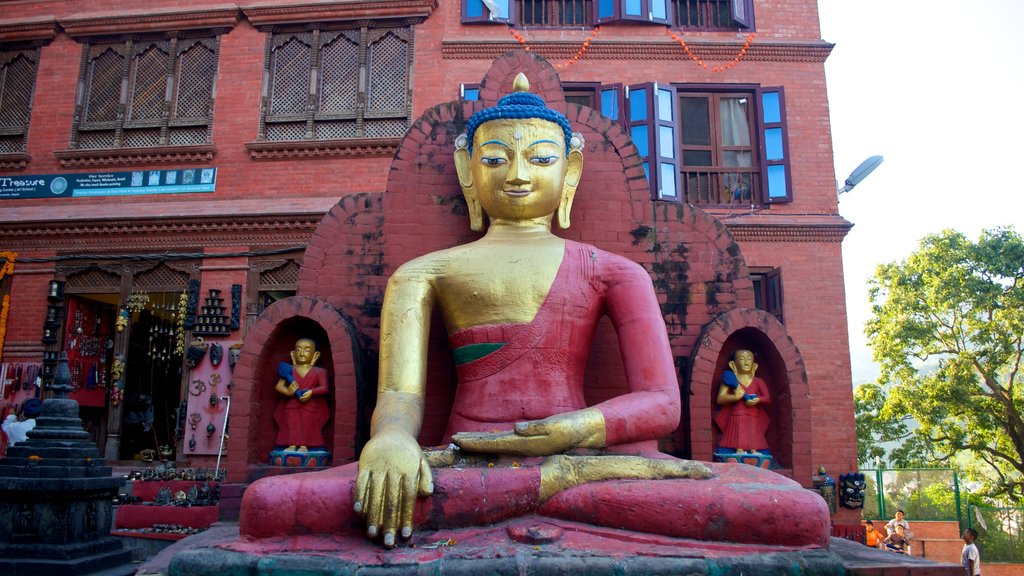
(935, 87)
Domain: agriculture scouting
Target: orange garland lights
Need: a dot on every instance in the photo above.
(700, 61)
(5, 306)
(4, 309)
(579, 53)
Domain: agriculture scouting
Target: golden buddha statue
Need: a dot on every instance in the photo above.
(520, 306)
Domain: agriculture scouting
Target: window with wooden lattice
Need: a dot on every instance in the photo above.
(146, 91)
(17, 83)
(337, 84)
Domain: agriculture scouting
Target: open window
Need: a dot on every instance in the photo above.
(768, 291)
(774, 147)
(653, 124)
(487, 11)
(469, 92)
(734, 145)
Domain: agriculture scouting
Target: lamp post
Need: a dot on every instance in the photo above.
(860, 173)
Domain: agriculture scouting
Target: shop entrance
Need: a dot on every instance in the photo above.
(152, 377)
(124, 335)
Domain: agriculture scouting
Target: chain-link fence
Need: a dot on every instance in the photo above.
(1000, 537)
(922, 493)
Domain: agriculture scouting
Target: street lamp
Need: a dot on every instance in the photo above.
(859, 173)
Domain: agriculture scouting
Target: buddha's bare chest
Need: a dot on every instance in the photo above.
(498, 288)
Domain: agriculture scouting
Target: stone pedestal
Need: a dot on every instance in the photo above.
(316, 458)
(56, 495)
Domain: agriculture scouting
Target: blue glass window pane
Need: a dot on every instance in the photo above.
(773, 143)
(632, 7)
(647, 172)
(665, 105)
(610, 103)
(666, 142)
(502, 8)
(472, 94)
(639, 134)
(474, 8)
(638, 105)
(658, 9)
(605, 8)
(770, 105)
(667, 174)
(777, 181)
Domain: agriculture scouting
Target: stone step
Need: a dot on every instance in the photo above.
(938, 549)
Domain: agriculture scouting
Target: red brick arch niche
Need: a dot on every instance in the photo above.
(779, 364)
(269, 341)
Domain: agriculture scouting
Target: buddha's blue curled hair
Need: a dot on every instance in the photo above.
(517, 106)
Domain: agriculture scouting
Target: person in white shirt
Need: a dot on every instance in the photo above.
(890, 528)
(17, 431)
(969, 558)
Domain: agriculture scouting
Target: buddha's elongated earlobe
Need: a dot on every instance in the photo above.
(463, 161)
(574, 169)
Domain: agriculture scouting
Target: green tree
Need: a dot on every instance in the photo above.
(947, 330)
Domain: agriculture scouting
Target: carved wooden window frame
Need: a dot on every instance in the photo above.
(19, 67)
(262, 280)
(165, 58)
(311, 116)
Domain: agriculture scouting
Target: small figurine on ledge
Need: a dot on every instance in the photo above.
(303, 414)
(742, 419)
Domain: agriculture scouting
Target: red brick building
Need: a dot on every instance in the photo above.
(239, 154)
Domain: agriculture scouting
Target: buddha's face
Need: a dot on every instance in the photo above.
(305, 353)
(519, 168)
(744, 361)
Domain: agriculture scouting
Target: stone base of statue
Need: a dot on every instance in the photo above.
(742, 520)
(527, 546)
(756, 459)
(314, 458)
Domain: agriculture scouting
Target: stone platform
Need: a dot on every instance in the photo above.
(534, 546)
(855, 560)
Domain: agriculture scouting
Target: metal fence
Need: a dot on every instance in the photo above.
(936, 494)
(999, 532)
(922, 493)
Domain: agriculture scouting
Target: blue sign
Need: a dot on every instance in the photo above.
(139, 182)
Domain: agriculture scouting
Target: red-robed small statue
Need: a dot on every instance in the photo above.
(302, 415)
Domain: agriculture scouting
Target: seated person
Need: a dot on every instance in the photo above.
(897, 541)
(16, 429)
(873, 538)
(521, 306)
(898, 520)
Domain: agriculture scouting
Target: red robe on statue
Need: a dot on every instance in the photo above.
(302, 423)
(743, 427)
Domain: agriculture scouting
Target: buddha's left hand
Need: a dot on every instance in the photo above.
(552, 435)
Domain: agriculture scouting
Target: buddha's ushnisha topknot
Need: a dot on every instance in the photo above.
(520, 104)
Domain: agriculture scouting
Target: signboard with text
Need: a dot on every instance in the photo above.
(138, 182)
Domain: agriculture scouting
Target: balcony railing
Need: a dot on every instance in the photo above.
(554, 13)
(722, 186)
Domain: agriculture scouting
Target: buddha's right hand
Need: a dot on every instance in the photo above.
(392, 473)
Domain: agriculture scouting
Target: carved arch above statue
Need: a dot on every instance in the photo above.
(780, 364)
(268, 342)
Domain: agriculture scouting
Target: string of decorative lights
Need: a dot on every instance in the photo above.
(700, 61)
(674, 35)
(579, 53)
(5, 305)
